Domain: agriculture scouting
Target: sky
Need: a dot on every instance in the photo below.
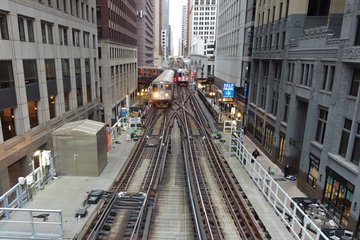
(175, 18)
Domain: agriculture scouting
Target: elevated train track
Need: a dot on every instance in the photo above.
(175, 172)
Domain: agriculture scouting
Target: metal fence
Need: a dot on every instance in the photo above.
(20, 223)
(292, 216)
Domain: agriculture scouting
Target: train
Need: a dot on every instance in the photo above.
(162, 88)
(181, 76)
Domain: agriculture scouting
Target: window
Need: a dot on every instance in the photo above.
(82, 11)
(4, 32)
(282, 145)
(71, 7)
(8, 123)
(30, 26)
(76, 37)
(30, 71)
(77, 69)
(286, 110)
(94, 41)
(345, 137)
(92, 15)
(280, 10)
(88, 93)
(318, 8)
(313, 172)
(46, 32)
(33, 114)
(67, 101)
(77, 8)
(52, 112)
(6, 74)
(328, 78)
(21, 29)
(65, 7)
(321, 126)
(79, 96)
(63, 37)
(355, 82)
(355, 157)
(86, 39)
(50, 69)
(357, 35)
(87, 12)
(87, 71)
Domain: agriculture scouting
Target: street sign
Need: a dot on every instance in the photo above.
(228, 90)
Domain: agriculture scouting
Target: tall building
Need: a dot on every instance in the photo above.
(184, 23)
(145, 32)
(157, 35)
(202, 26)
(48, 76)
(165, 29)
(304, 99)
(117, 52)
(235, 28)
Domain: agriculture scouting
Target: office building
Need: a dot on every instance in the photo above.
(48, 76)
(145, 32)
(304, 97)
(117, 52)
(202, 26)
(235, 28)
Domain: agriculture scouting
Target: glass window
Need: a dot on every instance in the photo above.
(76, 37)
(313, 172)
(87, 70)
(33, 114)
(355, 157)
(6, 74)
(88, 93)
(357, 36)
(30, 71)
(86, 39)
(21, 29)
(8, 123)
(43, 32)
(79, 96)
(50, 69)
(52, 111)
(63, 37)
(77, 69)
(355, 82)
(4, 32)
(345, 137)
(67, 101)
(30, 26)
(321, 127)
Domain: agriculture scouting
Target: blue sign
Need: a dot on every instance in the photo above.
(228, 90)
(123, 112)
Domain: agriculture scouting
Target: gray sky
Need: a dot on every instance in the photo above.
(175, 19)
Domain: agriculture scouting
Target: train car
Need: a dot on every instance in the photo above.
(161, 89)
(181, 76)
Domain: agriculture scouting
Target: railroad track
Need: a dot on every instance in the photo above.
(175, 183)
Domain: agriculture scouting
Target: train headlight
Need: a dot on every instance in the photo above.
(155, 95)
(167, 94)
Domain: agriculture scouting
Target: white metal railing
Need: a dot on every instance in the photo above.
(17, 222)
(292, 216)
(31, 224)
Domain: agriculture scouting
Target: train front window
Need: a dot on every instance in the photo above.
(168, 87)
(155, 88)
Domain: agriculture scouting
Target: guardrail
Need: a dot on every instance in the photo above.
(31, 224)
(292, 216)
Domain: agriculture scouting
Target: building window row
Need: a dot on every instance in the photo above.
(122, 53)
(76, 7)
(26, 32)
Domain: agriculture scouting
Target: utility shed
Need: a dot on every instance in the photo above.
(80, 148)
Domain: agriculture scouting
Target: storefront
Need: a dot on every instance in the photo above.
(313, 173)
(269, 138)
(259, 130)
(250, 122)
(338, 196)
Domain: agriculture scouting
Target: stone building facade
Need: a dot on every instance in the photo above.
(304, 97)
(48, 76)
(117, 53)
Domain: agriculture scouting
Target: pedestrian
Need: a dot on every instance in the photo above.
(255, 153)
(286, 170)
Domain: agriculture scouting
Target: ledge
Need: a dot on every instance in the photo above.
(348, 165)
(317, 145)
